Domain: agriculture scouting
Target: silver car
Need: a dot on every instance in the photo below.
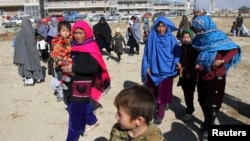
(113, 17)
(96, 17)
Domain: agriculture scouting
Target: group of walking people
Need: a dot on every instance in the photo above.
(203, 59)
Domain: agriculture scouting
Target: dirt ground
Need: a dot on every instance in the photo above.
(33, 114)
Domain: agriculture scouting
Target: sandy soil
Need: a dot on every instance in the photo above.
(33, 114)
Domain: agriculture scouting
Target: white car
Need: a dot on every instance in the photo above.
(126, 17)
(138, 16)
(113, 17)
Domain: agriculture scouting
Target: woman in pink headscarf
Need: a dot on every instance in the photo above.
(90, 79)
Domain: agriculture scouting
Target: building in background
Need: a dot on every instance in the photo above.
(20, 7)
(42, 8)
(244, 10)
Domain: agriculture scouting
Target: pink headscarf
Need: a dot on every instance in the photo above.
(84, 26)
(102, 80)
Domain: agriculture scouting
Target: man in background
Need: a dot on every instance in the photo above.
(239, 22)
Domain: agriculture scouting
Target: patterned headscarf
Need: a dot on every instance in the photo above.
(211, 41)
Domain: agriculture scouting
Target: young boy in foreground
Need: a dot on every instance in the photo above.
(135, 109)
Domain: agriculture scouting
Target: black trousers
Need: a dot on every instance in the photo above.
(210, 97)
(188, 87)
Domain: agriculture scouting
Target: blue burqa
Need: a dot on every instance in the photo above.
(161, 53)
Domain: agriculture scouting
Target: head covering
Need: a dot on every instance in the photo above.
(118, 30)
(84, 26)
(133, 18)
(53, 30)
(204, 23)
(161, 53)
(197, 9)
(102, 19)
(211, 41)
(41, 29)
(190, 32)
(37, 20)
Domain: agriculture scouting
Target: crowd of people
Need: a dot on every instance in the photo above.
(201, 58)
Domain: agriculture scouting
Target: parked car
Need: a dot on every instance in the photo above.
(15, 21)
(113, 17)
(137, 15)
(80, 17)
(70, 15)
(173, 14)
(96, 17)
(126, 17)
(158, 14)
(46, 20)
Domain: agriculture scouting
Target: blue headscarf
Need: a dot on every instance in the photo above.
(211, 41)
(41, 29)
(161, 53)
(53, 28)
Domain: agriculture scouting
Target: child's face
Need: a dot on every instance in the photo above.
(79, 35)
(117, 33)
(64, 32)
(186, 39)
(124, 119)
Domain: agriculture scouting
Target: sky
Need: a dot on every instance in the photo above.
(222, 4)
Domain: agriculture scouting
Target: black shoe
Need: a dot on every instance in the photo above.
(205, 135)
(157, 121)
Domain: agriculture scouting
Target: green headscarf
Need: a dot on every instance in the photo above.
(189, 32)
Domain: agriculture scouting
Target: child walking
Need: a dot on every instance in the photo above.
(187, 74)
(41, 46)
(234, 28)
(61, 48)
(116, 43)
(135, 110)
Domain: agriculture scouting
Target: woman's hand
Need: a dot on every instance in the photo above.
(178, 66)
(148, 71)
(218, 63)
(197, 67)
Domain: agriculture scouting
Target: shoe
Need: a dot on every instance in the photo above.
(59, 95)
(29, 82)
(187, 116)
(205, 136)
(38, 81)
(157, 121)
(59, 99)
(91, 127)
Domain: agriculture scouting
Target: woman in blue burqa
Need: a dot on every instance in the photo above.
(160, 63)
(216, 55)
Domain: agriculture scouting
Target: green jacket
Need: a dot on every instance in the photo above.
(152, 133)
